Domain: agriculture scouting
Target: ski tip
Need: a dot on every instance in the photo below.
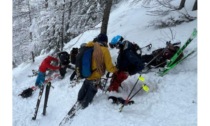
(194, 32)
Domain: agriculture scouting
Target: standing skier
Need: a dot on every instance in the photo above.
(128, 61)
(101, 61)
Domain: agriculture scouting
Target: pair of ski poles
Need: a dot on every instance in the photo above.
(144, 87)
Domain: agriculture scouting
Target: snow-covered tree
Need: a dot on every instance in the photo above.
(42, 25)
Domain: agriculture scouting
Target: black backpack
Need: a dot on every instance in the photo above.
(64, 58)
(73, 55)
(26, 93)
(137, 49)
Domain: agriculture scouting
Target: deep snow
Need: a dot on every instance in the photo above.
(172, 100)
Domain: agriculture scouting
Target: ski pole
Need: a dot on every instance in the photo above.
(135, 94)
(144, 87)
(127, 99)
(153, 59)
(149, 46)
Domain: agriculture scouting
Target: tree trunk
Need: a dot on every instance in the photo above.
(182, 4)
(62, 32)
(46, 3)
(32, 53)
(30, 19)
(106, 16)
(69, 14)
(195, 6)
(62, 28)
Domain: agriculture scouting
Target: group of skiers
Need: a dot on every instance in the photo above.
(130, 61)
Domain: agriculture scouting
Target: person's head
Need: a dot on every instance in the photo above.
(101, 38)
(116, 41)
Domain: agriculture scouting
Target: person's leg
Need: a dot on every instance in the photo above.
(91, 92)
(82, 91)
(62, 72)
(40, 79)
(116, 80)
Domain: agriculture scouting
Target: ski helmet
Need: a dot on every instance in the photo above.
(116, 40)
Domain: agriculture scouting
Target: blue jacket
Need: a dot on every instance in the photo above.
(128, 60)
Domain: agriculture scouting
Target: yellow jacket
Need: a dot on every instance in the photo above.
(107, 60)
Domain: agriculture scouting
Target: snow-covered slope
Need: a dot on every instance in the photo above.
(172, 100)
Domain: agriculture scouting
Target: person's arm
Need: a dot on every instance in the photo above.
(49, 66)
(108, 61)
(52, 67)
(53, 58)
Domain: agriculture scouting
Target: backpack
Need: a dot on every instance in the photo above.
(73, 54)
(129, 60)
(26, 93)
(84, 62)
(166, 54)
(137, 49)
(64, 58)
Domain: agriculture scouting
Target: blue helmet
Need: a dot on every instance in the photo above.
(116, 40)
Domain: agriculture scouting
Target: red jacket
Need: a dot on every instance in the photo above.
(46, 64)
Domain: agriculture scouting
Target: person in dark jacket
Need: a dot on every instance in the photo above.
(45, 65)
(128, 61)
(64, 63)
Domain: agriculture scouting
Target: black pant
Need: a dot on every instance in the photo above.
(63, 70)
(86, 93)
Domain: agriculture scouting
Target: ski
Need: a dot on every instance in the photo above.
(167, 69)
(47, 91)
(72, 112)
(38, 102)
(177, 54)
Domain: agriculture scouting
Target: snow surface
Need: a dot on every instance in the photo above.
(171, 101)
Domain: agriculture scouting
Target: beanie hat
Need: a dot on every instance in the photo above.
(102, 38)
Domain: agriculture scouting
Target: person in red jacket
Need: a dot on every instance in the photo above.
(45, 65)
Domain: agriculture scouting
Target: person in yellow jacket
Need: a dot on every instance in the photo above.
(101, 61)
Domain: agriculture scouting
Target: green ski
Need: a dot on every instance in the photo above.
(177, 54)
(167, 69)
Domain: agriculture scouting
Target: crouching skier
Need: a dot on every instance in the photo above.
(129, 61)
